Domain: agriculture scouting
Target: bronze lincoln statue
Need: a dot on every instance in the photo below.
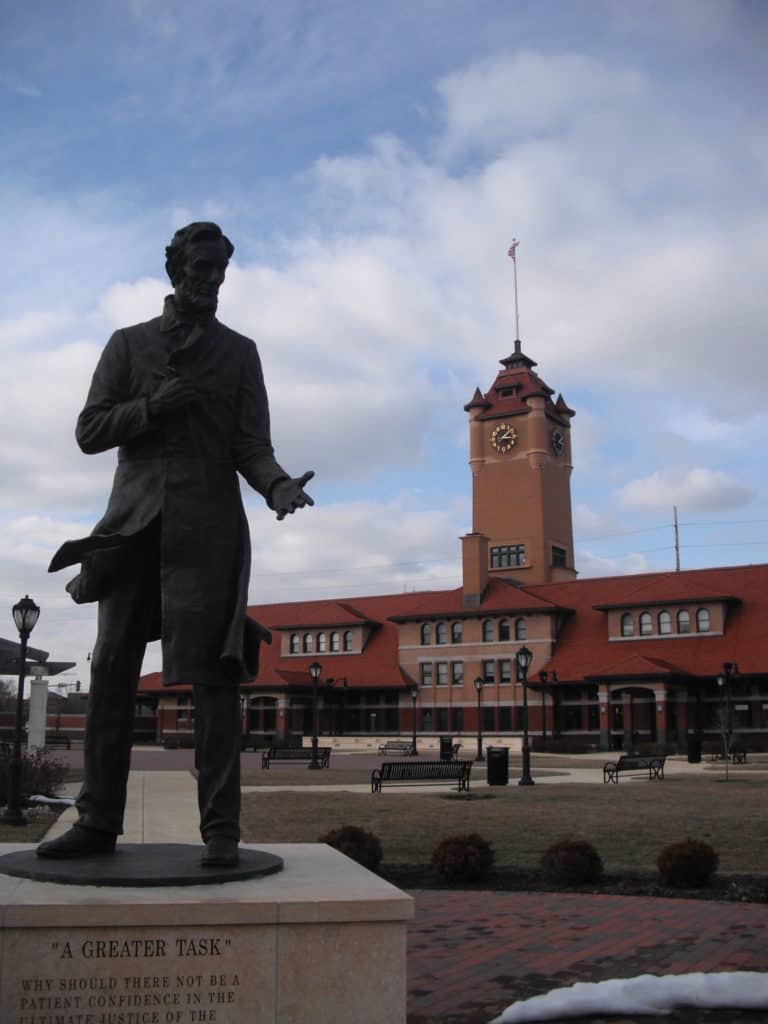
(182, 398)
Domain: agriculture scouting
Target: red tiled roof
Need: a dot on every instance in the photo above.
(500, 596)
(584, 650)
(316, 614)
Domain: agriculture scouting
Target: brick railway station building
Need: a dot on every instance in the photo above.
(618, 662)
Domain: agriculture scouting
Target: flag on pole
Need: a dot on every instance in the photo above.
(512, 248)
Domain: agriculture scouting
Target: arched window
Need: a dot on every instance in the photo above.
(335, 642)
(665, 623)
(627, 624)
(426, 634)
(521, 629)
(456, 632)
(295, 647)
(348, 640)
(504, 630)
(441, 633)
(307, 644)
(487, 631)
(702, 620)
(322, 642)
(646, 624)
(683, 621)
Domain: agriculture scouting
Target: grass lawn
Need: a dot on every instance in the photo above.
(628, 823)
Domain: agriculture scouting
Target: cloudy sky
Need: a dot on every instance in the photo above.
(372, 164)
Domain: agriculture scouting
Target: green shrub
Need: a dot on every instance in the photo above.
(361, 846)
(463, 858)
(687, 865)
(572, 862)
(41, 775)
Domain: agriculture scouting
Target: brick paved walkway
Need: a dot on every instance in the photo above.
(471, 954)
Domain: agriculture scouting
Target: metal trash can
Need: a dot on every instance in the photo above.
(446, 748)
(497, 760)
(694, 750)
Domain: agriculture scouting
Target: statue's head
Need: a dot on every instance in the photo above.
(196, 262)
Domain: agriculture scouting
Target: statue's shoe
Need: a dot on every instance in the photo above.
(78, 842)
(220, 852)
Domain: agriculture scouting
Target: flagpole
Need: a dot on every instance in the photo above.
(513, 254)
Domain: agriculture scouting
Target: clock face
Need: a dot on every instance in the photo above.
(558, 441)
(503, 437)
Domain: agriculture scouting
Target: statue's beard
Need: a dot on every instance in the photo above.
(196, 296)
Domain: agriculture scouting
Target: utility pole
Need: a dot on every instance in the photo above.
(513, 256)
(677, 542)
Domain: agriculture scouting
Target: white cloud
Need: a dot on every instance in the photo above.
(693, 489)
(591, 565)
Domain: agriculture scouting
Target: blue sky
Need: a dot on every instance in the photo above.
(372, 165)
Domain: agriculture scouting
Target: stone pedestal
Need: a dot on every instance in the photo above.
(323, 941)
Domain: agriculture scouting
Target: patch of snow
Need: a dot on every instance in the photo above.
(648, 993)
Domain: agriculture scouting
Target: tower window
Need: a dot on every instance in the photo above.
(442, 673)
(488, 636)
(456, 632)
(521, 629)
(558, 557)
(426, 635)
(504, 630)
(489, 671)
(507, 556)
(426, 673)
(505, 670)
(441, 633)
(457, 673)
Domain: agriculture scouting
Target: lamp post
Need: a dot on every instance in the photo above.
(724, 683)
(314, 670)
(523, 659)
(479, 683)
(25, 616)
(414, 696)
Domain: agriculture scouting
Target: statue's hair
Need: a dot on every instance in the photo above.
(198, 231)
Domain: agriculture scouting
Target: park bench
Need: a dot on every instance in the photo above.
(737, 753)
(411, 773)
(654, 763)
(57, 739)
(293, 754)
(397, 747)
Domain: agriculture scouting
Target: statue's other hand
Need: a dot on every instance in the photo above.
(288, 495)
(173, 393)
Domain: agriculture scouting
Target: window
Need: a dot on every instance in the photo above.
(442, 673)
(458, 719)
(683, 621)
(426, 673)
(426, 635)
(507, 556)
(441, 633)
(646, 624)
(571, 718)
(322, 642)
(488, 671)
(504, 631)
(487, 631)
(307, 643)
(335, 642)
(505, 719)
(665, 623)
(348, 640)
(295, 644)
(627, 624)
(521, 629)
(441, 722)
(456, 632)
(702, 620)
(457, 673)
(505, 670)
(558, 557)
(489, 719)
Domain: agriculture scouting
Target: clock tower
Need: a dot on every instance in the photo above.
(520, 458)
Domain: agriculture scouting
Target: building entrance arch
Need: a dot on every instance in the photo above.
(637, 714)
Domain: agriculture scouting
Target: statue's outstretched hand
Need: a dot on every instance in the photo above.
(288, 495)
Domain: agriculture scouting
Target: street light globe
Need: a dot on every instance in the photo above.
(479, 683)
(315, 669)
(25, 615)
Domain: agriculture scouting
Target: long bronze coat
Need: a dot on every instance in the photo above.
(184, 471)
